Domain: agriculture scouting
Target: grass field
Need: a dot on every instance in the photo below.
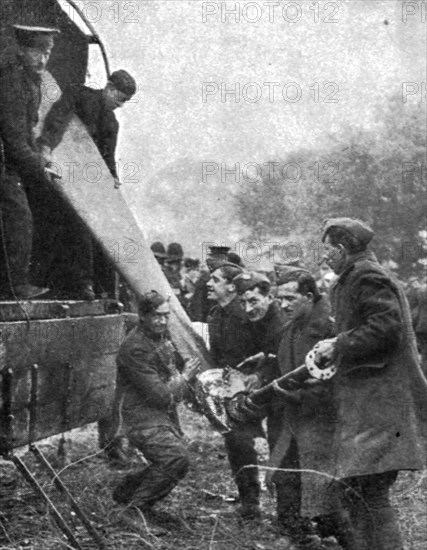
(205, 519)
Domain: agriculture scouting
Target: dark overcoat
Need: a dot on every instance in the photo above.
(380, 391)
(311, 421)
(230, 335)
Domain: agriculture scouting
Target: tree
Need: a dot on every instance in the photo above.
(376, 176)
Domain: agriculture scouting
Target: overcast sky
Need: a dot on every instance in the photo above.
(336, 63)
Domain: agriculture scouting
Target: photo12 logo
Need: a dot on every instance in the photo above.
(416, 90)
(93, 12)
(254, 92)
(412, 11)
(271, 12)
(270, 172)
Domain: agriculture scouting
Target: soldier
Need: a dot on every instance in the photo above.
(190, 277)
(266, 323)
(379, 390)
(231, 344)
(95, 108)
(151, 379)
(172, 271)
(308, 417)
(200, 306)
(24, 170)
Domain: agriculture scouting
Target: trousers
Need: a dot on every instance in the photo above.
(242, 455)
(35, 217)
(364, 518)
(168, 464)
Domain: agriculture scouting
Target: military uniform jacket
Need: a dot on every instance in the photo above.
(266, 335)
(146, 390)
(229, 335)
(89, 105)
(20, 97)
(379, 390)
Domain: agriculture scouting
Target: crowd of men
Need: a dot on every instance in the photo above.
(336, 446)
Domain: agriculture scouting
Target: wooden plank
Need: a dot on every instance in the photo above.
(53, 309)
(89, 188)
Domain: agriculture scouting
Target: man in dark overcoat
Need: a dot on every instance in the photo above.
(151, 379)
(308, 417)
(23, 170)
(230, 344)
(379, 390)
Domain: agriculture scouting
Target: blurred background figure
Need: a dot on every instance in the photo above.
(159, 251)
(190, 276)
(172, 271)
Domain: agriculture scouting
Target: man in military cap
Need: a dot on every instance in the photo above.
(230, 344)
(151, 379)
(23, 169)
(379, 390)
(266, 321)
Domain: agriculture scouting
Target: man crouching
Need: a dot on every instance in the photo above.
(151, 379)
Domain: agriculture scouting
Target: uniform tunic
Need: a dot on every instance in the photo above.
(230, 343)
(148, 387)
(20, 98)
(266, 335)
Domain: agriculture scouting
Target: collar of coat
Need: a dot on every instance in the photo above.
(274, 311)
(233, 308)
(353, 260)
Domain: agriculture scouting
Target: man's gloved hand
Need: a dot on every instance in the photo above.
(288, 396)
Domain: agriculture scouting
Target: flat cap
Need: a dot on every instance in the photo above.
(359, 229)
(35, 37)
(123, 82)
(288, 273)
(175, 252)
(149, 301)
(218, 250)
(158, 249)
(234, 258)
(248, 280)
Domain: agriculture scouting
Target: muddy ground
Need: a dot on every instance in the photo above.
(204, 514)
